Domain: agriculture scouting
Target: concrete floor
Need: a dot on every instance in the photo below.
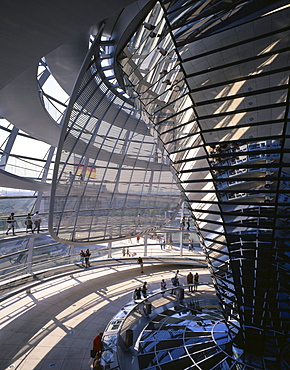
(54, 325)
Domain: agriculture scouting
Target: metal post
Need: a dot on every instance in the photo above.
(109, 249)
(30, 254)
(181, 242)
(145, 245)
(181, 232)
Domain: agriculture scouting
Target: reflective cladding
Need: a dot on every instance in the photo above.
(217, 93)
(187, 339)
(112, 181)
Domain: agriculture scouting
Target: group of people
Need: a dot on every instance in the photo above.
(184, 222)
(126, 252)
(140, 292)
(192, 282)
(32, 223)
(85, 257)
(77, 176)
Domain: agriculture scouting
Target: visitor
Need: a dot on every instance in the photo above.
(82, 255)
(96, 365)
(188, 223)
(140, 261)
(196, 278)
(175, 282)
(11, 223)
(87, 258)
(98, 344)
(37, 221)
(29, 223)
(190, 246)
(177, 276)
(190, 282)
(144, 289)
(182, 223)
(163, 287)
(138, 293)
(135, 295)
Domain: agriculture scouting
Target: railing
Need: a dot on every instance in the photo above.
(22, 279)
(20, 226)
(136, 315)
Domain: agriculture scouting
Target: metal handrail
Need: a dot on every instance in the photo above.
(137, 312)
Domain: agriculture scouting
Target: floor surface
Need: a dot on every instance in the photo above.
(54, 325)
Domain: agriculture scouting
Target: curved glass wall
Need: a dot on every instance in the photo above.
(112, 179)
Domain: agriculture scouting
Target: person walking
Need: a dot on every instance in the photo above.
(196, 278)
(37, 221)
(29, 223)
(190, 282)
(140, 261)
(11, 223)
(163, 287)
(177, 276)
(87, 258)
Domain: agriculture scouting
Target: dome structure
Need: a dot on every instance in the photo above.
(113, 114)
